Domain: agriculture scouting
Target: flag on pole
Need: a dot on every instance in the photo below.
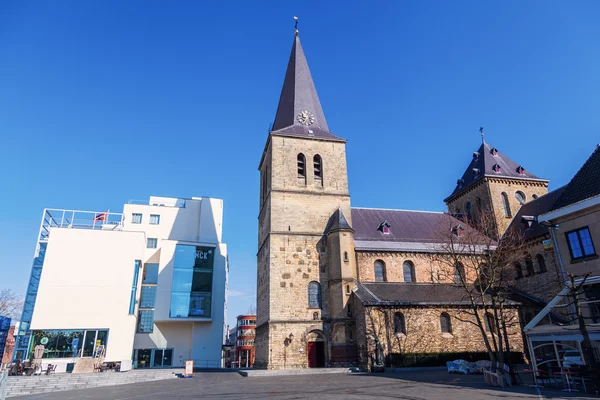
(100, 217)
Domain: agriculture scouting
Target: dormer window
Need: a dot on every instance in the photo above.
(494, 151)
(496, 168)
(475, 156)
(460, 183)
(520, 170)
(384, 228)
(475, 172)
(458, 230)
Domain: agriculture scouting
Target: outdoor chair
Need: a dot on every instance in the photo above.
(51, 369)
(583, 375)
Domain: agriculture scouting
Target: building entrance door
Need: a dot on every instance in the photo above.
(316, 354)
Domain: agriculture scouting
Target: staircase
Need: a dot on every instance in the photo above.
(24, 385)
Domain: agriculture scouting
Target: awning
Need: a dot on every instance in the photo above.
(544, 333)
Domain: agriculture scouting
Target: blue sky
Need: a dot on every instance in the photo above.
(102, 102)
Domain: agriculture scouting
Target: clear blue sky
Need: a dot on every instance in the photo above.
(102, 102)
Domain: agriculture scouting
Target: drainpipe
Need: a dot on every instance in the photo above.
(557, 252)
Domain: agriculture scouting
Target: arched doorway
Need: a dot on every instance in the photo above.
(315, 349)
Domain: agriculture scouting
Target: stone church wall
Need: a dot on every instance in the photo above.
(423, 332)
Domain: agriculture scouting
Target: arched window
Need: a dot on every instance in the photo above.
(301, 166)
(379, 271)
(314, 295)
(485, 274)
(518, 270)
(409, 271)
(469, 209)
(541, 263)
(399, 324)
(520, 196)
(459, 273)
(529, 265)
(534, 196)
(318, 163)
(315, 316)
(445, 323)
(506, 205)
(490, 324)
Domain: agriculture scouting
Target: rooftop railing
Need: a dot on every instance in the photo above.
(77, 219)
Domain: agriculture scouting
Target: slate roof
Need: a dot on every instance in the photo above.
(585, 183)
(337, 221)
(405, 225)
(412, 294)
(297, 95)
(536, 207)
(485, 163)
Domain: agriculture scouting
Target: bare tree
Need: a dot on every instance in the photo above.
(481, 267)
(389, 333)
(10, 304)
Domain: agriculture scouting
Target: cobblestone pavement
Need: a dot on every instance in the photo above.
(230, 385)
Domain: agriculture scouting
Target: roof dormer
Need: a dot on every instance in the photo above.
(384, 227)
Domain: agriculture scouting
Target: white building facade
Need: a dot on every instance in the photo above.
(146, 287)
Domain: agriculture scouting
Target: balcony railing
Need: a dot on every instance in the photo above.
(76, 219)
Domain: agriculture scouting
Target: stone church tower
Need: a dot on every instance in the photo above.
(493, 182)
(306, 262)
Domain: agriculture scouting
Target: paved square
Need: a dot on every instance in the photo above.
(230, 385)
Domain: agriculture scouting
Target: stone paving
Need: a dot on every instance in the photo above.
(419, 385)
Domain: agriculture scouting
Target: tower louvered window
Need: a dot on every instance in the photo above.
(318, 165)
(301, 166)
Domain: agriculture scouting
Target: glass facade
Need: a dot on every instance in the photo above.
(148, 299)
(69, 343)
(146, 321)
(191, 292)
(152, 358)
(136, 275)
(150, 274)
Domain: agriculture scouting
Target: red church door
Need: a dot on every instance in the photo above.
(316, 354)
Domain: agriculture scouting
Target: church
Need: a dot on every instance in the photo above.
(325, 268)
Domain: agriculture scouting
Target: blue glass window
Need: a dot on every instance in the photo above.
(136, 273)
(580, 243)
(191, 292)
(150, 274)
(136, 218)
(154, 219)
(148, 299)
(146, 321)
(152, 243)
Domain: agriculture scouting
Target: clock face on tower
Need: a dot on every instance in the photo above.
(306, 118)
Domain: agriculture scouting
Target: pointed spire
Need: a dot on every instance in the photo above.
(299, 112)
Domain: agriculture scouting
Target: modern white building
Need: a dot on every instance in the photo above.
(148, 285)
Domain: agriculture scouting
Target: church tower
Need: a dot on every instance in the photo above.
(303, 196)
(495, 185)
